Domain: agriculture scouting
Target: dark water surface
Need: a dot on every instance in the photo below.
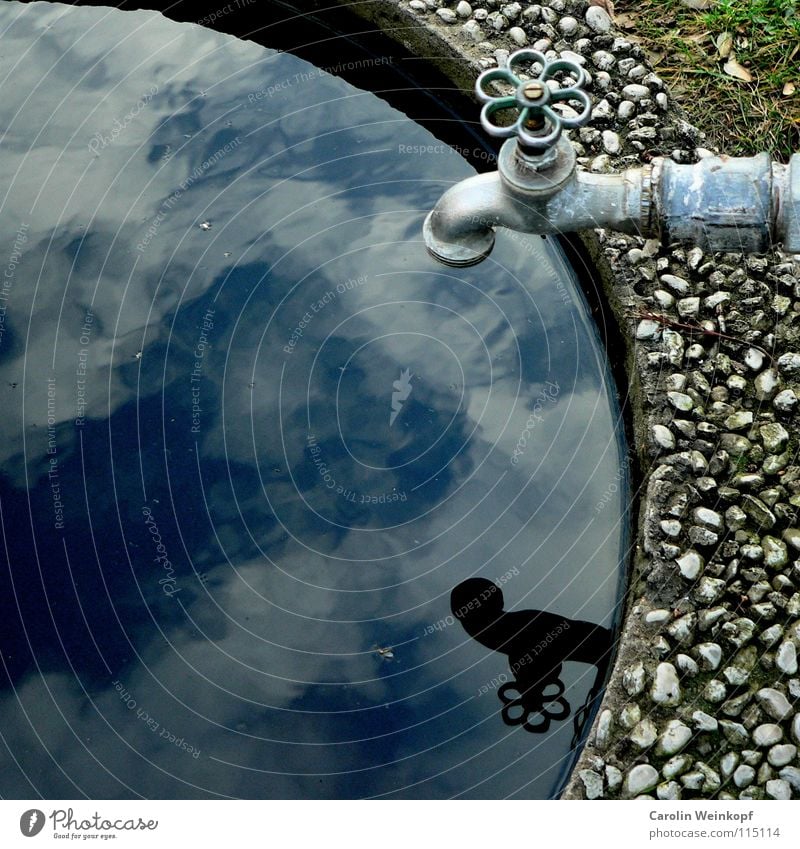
(255, 441)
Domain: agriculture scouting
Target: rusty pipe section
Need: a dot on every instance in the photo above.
(720, 203)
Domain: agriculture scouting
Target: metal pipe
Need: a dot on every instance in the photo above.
(720, 203)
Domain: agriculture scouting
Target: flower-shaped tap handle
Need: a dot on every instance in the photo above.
(538, 126)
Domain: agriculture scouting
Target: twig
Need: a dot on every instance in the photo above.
(666, 321)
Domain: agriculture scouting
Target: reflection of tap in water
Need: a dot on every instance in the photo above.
(537, 643)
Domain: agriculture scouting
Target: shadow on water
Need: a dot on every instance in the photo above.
(537, 643)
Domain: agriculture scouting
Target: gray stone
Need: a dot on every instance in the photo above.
(690, 563)
(767, 734)
(782, 754)
(643, 734)
(792, 775)
(786, 658)
(677, 284)
(640, 779)
(603, 733)
(674, 738)
(715, 691)
(634, 679)
(709, 518)
(784, 401)
(774, 703)
(568, 25)
(728, 763)
(739, 420)
(709, 656)
(775, 554)
(598, 20)
(676, 766)
(646, 329)
(758, 511)
(592, 782)
(630, 715)
(635, 92)
(447, 15)
(704, 722)
(463, 9)
(613, 145)
(613, 777)
(518, 36)
(686, 665)
(743, 776)
(774, 436)
(625, 109)
(668, 791)
(682, 629)
(666, 690)
(766, 385)
(709, 589)
(603, 61)
(779, 789)
(663, 437)
(734, 732)
(790, 363)
(754, 358)
(680, 401)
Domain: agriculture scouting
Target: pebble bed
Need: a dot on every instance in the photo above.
(703, 701)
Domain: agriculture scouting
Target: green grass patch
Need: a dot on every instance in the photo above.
(690, 49)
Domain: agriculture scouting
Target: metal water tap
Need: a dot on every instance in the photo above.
(720, 203)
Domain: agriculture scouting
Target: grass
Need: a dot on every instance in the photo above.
(763, 36)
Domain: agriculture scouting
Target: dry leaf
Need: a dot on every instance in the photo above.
(733, 69)
(724, 44)
(604, 4)
(699, 5)
(789, 89)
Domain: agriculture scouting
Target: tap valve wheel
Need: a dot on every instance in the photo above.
(538, 126)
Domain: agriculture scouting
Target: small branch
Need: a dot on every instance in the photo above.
(666, 321)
